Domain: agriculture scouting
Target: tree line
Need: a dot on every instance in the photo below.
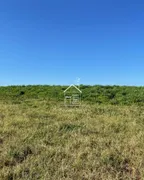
(123, 95)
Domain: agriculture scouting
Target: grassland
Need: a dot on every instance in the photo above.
(40, 139)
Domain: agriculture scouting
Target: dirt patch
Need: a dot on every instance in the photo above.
(2, 116)
(9, 163)
(1, 141)
(18, 157)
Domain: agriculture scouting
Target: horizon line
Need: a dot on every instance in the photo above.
(126, 85)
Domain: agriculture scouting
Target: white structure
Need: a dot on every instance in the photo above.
(72, 96)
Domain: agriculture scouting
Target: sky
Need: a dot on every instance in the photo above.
(59, 41)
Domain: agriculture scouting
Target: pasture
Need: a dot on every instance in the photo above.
(40, 139)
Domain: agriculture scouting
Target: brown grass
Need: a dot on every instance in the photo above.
(49, 142)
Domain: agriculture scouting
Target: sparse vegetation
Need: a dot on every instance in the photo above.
(40, 139)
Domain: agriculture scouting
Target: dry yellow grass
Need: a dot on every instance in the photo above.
(40, 140)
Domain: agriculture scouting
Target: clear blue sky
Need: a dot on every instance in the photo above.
(55, 41)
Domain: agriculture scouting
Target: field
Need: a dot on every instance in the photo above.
(40, 139)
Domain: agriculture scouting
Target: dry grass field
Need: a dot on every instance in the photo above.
(43, 140)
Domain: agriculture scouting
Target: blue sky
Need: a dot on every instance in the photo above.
(54, 42)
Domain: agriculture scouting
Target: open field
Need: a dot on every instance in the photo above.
(42, 140)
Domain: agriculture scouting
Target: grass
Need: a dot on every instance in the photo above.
(40, 140)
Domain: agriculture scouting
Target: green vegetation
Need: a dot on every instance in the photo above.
(115, 95)
(40, 139)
